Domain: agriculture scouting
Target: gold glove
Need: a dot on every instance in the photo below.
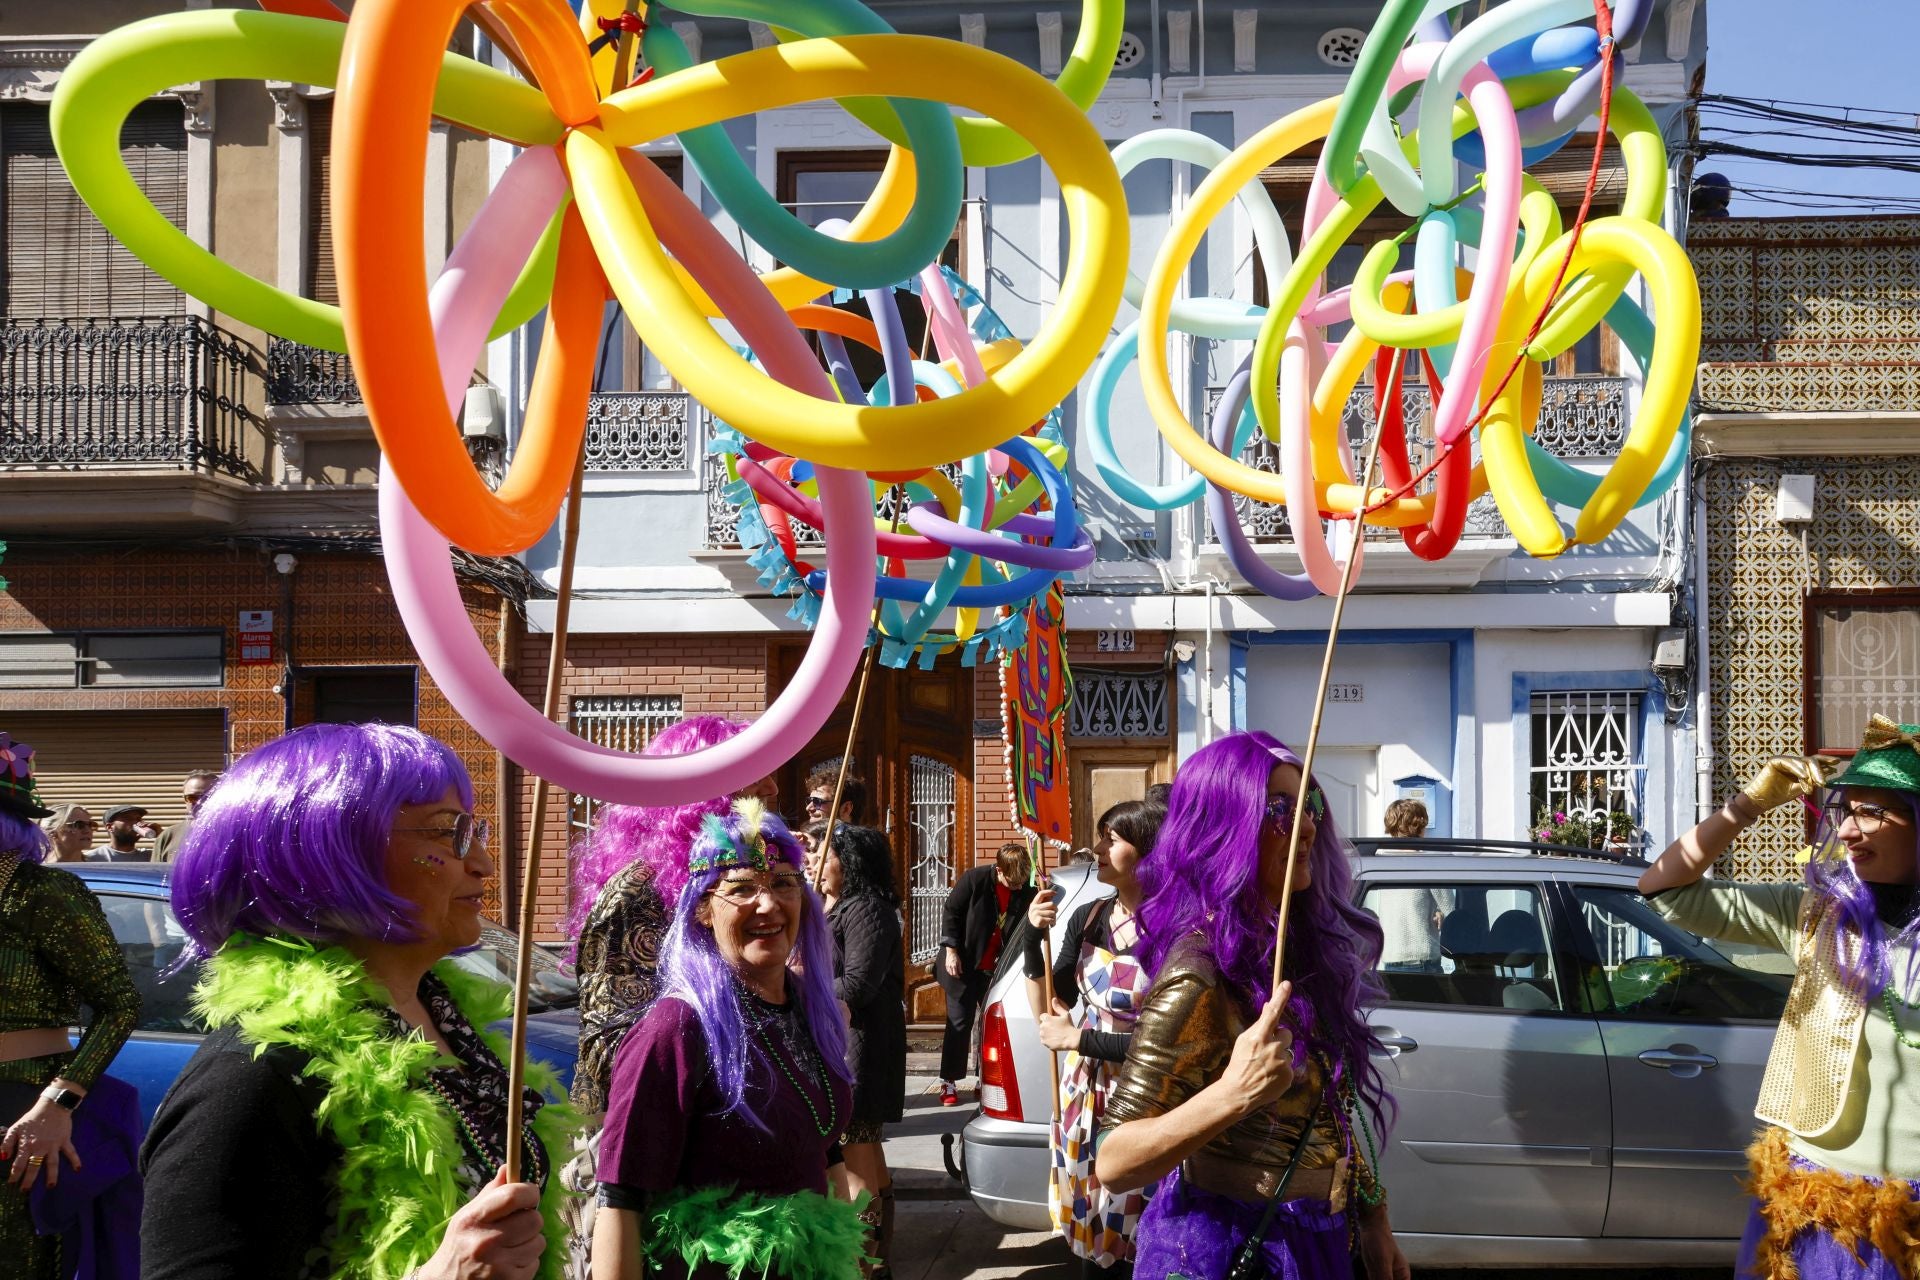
(1787, 778)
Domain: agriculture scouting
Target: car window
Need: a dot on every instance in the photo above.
(1480, 945)
(152, 940)
(1652, 968)
(550, 988)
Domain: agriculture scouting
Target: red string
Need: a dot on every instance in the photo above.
(1603, 22)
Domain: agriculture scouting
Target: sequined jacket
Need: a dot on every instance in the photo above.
(619, 970)
(1181, 1044)
(57, 952)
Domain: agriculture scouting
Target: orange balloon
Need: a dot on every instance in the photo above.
(388, 69)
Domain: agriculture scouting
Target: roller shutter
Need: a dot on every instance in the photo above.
(106, 758)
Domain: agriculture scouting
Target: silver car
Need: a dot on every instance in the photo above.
(1575, 1076)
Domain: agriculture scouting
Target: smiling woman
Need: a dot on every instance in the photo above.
(345, 1106)
(1836, 1173)
(730, 1094)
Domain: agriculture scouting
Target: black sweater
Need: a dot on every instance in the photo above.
(1091, 923)
(238, 1176)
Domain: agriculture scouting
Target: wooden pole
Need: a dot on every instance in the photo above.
(530, 865)
(1326, 672)
(1039, 855)
(853, 725)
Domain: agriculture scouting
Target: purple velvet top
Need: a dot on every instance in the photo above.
(662, 1131)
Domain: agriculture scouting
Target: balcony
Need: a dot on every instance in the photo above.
(131, 421)
(302, 375)
(642, 433)
(1808, 316)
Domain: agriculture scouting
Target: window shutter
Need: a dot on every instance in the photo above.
(320, 283)
(60, 262)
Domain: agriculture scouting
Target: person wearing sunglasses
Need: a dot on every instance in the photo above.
(821, 780)
(1257, 1111)
(1836, 1170)
(730, 1094)
(346, 1114)
(72, 828)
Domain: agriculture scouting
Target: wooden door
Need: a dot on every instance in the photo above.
(913, 748)
(1104, 775)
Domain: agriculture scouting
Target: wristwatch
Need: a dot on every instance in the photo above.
(67, 1099)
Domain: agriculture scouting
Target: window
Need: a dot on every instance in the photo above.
(320, 284)
(932, 813)
(356, 695)
(152, 940)
(1114, 702)
(1863, 658)
(1480, 945)
(60, 262)
(624, 723)
(1584, 784)
(111, 659)
(1650, 968)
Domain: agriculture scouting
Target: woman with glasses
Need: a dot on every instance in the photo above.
(72, 828)
(1836, 1172)
(1097, 987)
(346, 1114)
(57, 952)
(729, 1096)
(1256, 1110)
(869, 980)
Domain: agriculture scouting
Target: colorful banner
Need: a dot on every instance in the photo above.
(1036, 688)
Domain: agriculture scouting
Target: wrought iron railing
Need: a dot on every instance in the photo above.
(299, 374)
(160, 391)
(1582, 417)
(641, 432)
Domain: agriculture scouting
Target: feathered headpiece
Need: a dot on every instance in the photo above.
(732, 841)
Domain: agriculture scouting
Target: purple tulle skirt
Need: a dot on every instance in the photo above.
(1817, 1255)
(1185, 1231)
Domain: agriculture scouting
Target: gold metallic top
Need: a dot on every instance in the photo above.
(57, 951)
(1181, 1044)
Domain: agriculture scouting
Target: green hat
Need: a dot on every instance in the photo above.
(1889, 757)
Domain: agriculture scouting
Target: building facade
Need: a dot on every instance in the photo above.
(1807, 494)
(188, 504)
(1500, 687)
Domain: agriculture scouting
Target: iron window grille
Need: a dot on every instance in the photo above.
(1585, 782)
(1113, 702)
(932, 816)
(623, 722)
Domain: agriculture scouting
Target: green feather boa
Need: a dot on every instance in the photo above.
(395, 1186)
(803, 1236)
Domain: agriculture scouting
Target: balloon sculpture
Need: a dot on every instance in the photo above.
(956, 465)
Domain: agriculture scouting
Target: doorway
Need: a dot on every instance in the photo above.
(1350, 778)
(914, 750)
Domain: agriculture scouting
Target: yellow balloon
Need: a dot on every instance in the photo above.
(902, 438)
(1608, 243)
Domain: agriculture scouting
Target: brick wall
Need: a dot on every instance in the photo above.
(342, 615)
(722, 675)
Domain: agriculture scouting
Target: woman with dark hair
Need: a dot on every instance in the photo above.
(346, 1114)
(57, 952)
(869, 979)
(729, 1093)
(1836, 1172)
(1254, 1130)
(1098, 986)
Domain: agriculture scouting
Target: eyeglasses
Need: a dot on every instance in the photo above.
(819, 802)
(78, 825)
(1280, 809)
(1868, 818)
(468, 833)
(744, 893)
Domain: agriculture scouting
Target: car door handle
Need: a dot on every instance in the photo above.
(1682, 1060)
(1394, 1044)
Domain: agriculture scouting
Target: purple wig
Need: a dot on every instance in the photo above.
(294, 839)
(1204, 876)
(23, 836)
(1862, 946)
(659, 837)
(693, 971)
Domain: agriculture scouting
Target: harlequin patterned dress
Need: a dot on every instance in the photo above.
(1097, 1224)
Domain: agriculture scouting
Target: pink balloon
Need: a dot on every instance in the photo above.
(420, 563)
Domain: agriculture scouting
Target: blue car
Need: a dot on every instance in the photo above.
(135, 897)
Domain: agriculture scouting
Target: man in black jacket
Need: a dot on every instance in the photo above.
(986, 905)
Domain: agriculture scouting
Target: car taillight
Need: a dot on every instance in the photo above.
(999, 1083)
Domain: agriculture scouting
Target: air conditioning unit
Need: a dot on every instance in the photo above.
(484, 415)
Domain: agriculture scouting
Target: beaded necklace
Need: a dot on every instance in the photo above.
(779, 1060)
